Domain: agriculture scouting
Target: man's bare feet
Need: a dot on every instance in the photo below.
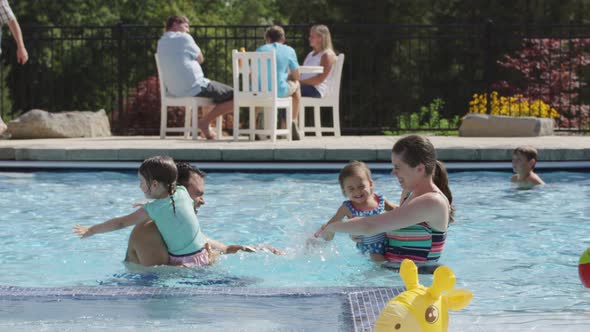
(207, 133)
(295, 132)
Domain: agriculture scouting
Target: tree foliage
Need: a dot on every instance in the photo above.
(104, 12)
(550, 71)
(395, 63)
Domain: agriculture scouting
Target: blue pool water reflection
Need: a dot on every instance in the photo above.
(516, 250)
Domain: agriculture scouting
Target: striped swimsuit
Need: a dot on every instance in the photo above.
(420, 243)
(373, 244)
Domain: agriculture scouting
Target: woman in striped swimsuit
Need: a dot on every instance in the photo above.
(417, 229)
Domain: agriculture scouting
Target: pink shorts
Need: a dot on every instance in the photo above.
(200, 258)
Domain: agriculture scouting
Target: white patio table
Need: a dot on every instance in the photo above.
(311, 69)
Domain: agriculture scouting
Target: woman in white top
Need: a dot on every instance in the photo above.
(315, 85)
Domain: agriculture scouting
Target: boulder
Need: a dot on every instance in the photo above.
(42, 124)
(482, 125)
(2, 127)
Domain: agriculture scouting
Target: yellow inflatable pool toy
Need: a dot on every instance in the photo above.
(421, 309)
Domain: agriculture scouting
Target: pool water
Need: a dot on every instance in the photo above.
(516, 250)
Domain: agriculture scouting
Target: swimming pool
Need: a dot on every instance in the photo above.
(516, 250)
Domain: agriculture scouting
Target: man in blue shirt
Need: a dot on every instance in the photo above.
(287, 69)
(180, 64)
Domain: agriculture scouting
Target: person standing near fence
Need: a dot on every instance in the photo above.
(7, 17)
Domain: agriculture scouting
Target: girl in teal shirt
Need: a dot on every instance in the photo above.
(171, 209)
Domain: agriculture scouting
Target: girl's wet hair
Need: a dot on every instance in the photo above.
(417, 149)
(353, 168)
(163, 170)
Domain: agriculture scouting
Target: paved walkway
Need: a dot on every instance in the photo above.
(367, 148)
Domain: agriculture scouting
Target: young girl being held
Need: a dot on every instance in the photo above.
(171, 209)
(357, 185)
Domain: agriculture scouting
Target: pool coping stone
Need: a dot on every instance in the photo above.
(312, 149)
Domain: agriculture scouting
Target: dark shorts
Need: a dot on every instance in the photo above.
(219, 92)
(310, 91)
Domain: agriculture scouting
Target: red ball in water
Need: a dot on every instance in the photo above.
(584, 268)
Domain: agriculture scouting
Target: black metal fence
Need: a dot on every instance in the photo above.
(395, 77)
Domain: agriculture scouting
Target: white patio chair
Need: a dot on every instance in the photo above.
(331, 99)
(251, 90)
(191, 111)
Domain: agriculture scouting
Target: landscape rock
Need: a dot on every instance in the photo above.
(42, 124)
(482, 125)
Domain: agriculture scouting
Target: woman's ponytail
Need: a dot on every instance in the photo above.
(441, 180)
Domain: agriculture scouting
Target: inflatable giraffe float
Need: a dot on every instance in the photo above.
(421, 309)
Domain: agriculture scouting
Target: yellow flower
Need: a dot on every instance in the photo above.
(516, 105)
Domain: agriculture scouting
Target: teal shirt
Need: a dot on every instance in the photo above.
(286, 60)
(181, 231)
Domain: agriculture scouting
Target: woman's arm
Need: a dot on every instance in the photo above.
(134, 218)
(389, 205)
(428, 207)
(327, 61)
(340, 214)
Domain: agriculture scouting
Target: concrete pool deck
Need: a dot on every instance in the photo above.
(317, 149)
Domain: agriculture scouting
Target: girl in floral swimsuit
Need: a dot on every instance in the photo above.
(357, 185)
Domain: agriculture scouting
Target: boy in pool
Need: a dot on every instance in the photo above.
(357, 185)
(524, 159)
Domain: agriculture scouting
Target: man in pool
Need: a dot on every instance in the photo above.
(145, 242)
